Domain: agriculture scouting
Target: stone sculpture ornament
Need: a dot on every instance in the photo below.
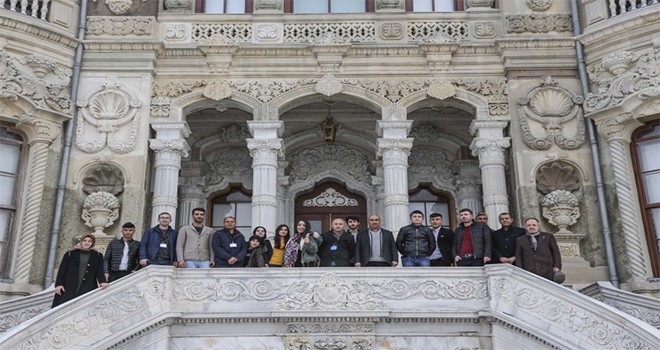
(557, 181)
(100, 210)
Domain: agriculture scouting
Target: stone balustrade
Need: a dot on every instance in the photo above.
(35, 8)
(619, 7)
(17, 311)
(367, 308)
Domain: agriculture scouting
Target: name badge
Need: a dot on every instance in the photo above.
(163, 245)
(233, 245)
(334, 247)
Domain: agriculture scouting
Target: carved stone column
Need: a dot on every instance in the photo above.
(489, 145)
(169, 146)
(468, 184)
(394, 147)
(191, 196)
(41, 135)
(265, 148)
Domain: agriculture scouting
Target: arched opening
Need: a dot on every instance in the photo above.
(234, 201)
(327, 201)
(429, 200)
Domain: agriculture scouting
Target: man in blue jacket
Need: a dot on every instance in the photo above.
(158, 244)
(229, 245)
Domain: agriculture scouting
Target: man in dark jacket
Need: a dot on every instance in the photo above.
(158, 244)
(338, 246)
(444, 238)
(121, 255)
(538, 252)
(415, 242)
(504, 240)
(375, 246)
(229, 245)
(472, 241)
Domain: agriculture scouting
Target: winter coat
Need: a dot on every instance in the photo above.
(68, 272)
(542, 260)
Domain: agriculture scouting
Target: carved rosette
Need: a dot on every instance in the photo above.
(441, 90)
(553, 107)
(100, 210)
(561, 208)
(538, 5)
(110, 119)
(217, 90)
(328, 85)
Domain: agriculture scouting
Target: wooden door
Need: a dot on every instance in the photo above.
(328, 201)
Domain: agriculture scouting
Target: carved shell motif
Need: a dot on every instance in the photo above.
(103, 178)
(557, 176)
(551, 103)
(109, 105)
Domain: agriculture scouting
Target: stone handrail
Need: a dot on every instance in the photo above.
(497, 302)
(16, 311)
(619, 7)
(35, 8)
(642, 307)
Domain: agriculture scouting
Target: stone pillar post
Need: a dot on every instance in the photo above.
(394, 146)
(489, 145)
(265, 148)
(169, 146)
(191, 196)
(468, 184)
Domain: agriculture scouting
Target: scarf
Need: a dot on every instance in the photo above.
(291, 250)
(532, 237)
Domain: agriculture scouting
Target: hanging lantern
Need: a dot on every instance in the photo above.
(329, 126)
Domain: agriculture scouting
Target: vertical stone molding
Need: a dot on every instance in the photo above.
(394, 147)
(468, 184)
(42, 133)
(169, 147)
(265, 148)
(489, 145)
(191, 196)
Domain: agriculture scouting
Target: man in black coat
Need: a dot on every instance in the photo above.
(472, 241)
(375, 246)
(415, 242)
(504, 240)
(444, 238)
(338, 246)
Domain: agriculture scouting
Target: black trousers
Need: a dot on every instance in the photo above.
(378, 263)
(470, 262)
(440, 262)
(115, 275)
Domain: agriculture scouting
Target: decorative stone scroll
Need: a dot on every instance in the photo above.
(37, 79)
(330, 198)
(110, 119)
(553, 107)
(539, 23)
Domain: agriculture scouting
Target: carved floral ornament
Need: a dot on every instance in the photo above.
(620, 75)
(330, 198)
(327, 157)
(120, 26)
(110, 118)
(119, 7)
(37, 79)
(538, 5)
(553, 107)
(494, 91)
(539, 23)
(557, 181)
(100, 210)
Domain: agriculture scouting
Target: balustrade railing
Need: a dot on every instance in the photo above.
(619, 7)
(35, 8)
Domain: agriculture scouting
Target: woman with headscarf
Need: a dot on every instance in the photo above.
(302, 248)
(81, 271)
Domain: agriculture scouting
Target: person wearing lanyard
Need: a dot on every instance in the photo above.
(229, 245)
(158, 244)
(338, 246)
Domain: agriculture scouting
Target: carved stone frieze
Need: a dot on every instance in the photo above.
(110, 119)
(553, 107)
(328, 85)
(175, 31)
(37, 79)
(393, 90)
(620, 75)
(100, 210)
(330, 198)
(391, 31)
(330, 328)
(429, 162)
(13, 319)
(103, 177)
(233, 162)
(120, 26)
(275, 5)
(233, 134)
(390, 4)
(217, 90)
(315, 160)
(266, 90)
(484, 30)
(539, 23)
(538, 5)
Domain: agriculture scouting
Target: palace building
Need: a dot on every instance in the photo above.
(277, 110)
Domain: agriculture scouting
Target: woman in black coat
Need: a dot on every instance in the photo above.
(81, 271)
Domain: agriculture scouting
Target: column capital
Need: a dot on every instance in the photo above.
(480, 145)
(257, 146)
(171, 130)
(393, 129)
(618, 127)
(177, 146)
(397, 145)
(38, 130)
(484, 128)
(270, 129)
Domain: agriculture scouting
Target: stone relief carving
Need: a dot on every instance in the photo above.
(538, 5)
(330, 328)
(621, 74)
(231, 162)
(233, 133)
(175, 31)
(484, 30)
(429, 134)
(318, 159)
(391, 31)
(441, 89)
(100, 210)
(390, 4)
(217, 90)
(553, 107)
(330, 198)
(37, 79)
(328, 85)
(160, 107)
(556, 181)
(268, 32)
(115, 26)
(119, 7)
(268, 5)
(539, 23)
(8, 321)
(429, 162)
(557, 176)
(110, 118)
(105, 178)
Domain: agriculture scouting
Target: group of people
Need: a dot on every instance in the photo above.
(198, 246)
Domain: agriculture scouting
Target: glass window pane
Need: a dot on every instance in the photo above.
(237, 196)
(412, 206)
(7, 190)
(310, 6)
(220, 212)
(649, 133)
(235, 6)
(444, 5)
(652, 187)
(347, 6)
(655, 218)
(11, 155)
(214, 6)
(422, 6)
(648, 154)
(244, 214)
(442, 209)
(4, 232)
(316, 225)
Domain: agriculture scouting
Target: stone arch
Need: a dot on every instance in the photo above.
(584, 178)
(471, 102)
(79, 174)
(299, 140)
(182, 105)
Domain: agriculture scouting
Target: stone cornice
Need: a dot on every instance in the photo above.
(129, 46)
(534, 43)
(618, 25)
(39, 29)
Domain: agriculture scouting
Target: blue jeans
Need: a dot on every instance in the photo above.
(423, 261)
(198, 264)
